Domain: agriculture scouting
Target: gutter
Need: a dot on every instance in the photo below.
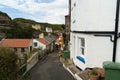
(116, 31)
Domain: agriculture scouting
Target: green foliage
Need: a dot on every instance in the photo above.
(22, 20)
(19, 32)
(93, 72)
(22, 28)
(8, 66)
(42, 54)
(26, 76)
(31, 53)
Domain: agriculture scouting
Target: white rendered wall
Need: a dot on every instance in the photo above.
(97, 50)
(93, 15)
(118, 51)
(74, 50)
(39, 44)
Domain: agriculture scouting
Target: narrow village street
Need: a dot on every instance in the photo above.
(50, 69)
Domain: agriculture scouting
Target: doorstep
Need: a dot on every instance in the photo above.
(78, 74)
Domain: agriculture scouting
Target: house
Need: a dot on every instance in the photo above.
(51, 42)
(20, 46)
(40, 43)
(58, 32)
(36, 26)
(94, 36)
(48, 29)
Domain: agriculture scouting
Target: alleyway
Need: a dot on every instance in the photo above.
(50, 69)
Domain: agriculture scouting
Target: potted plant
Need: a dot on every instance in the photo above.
(94, 75)
(100, 71)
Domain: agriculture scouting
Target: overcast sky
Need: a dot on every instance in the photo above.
(51, 11)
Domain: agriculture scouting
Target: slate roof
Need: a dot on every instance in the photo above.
(49, 39)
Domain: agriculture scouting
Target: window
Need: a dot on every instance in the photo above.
(22, 50)
(82, 42)
(81, 45)
(35, 44)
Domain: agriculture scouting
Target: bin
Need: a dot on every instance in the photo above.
(112, 70)
(66, 54)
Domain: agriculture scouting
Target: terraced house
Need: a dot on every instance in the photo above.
(95, 32)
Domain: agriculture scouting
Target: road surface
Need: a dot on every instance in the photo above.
(50, 69)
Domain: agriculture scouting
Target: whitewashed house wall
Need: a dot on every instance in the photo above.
(39, 44)
(93, 15)
(93, 20)
(96, 50)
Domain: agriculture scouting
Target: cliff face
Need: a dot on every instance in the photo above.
(5, 20)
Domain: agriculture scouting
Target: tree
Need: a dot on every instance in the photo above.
(8, 64)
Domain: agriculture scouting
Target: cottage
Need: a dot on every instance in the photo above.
(20, 46)
(94, 36)
(49, 30)
(40, 43)
(36, 27)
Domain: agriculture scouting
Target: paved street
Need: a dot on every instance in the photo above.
(50, 69)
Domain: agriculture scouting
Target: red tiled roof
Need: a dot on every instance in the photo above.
(16, 43)
(43, 41)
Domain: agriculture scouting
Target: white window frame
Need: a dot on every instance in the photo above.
(81, 45)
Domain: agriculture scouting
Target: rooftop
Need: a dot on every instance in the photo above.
(43, 41)
(15, 43)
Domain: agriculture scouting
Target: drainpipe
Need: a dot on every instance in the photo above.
(116, 31)
(69, 18)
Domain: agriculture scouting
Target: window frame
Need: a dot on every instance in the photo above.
(81, 45)
(35, 44)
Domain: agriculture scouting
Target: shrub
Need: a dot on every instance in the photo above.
(8, 64)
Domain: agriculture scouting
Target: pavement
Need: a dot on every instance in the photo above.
(76, 72)
(50, 69)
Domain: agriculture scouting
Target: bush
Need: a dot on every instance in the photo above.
(8, 64)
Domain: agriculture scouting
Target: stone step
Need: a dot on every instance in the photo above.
(84, 75)
(74, 70)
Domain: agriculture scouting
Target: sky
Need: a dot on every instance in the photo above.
(50, 11)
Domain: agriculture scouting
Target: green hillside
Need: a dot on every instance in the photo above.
(22, 28)
(28, 22)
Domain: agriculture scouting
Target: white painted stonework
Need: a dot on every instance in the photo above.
(39, 44)
(96, 50)
(92, 16)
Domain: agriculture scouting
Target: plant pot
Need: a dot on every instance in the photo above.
(100, 71)
(94, 75)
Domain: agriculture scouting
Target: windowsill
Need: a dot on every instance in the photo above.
(80, 58)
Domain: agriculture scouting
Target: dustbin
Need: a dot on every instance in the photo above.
(66, 54)
(112, 70)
